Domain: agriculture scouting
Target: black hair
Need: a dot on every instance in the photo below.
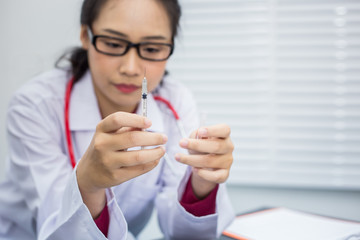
(89, 12)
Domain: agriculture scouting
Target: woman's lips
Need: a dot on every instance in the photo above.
(126, 88)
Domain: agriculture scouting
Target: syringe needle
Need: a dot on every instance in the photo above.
(144, 97)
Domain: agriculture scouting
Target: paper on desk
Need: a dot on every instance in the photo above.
(286, 224)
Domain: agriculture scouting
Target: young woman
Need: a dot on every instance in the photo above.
(89, 115)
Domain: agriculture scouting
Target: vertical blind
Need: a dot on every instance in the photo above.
(285, 75)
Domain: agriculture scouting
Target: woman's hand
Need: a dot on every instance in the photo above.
(107, 162)
(210, 156)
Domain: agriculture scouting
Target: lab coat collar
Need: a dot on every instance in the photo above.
(85, 113)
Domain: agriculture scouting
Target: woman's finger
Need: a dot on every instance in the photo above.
(124, 174)
(117, 120)
(218, 131)
(213, 175)
(125, 129)
(131, 139)
(206, 161)
(137, 157)
(211, 145)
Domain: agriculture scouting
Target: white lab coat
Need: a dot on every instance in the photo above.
(40, 198)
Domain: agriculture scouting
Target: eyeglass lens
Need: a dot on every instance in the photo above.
(154, 51)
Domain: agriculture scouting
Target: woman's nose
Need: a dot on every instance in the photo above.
(130, 65)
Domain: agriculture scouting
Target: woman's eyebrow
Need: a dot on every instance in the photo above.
(158, 37)
(116, 32)
(120, 34)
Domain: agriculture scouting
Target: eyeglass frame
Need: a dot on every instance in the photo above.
(128, 46)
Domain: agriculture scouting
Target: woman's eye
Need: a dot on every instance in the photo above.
(152, 50)
(113, 45)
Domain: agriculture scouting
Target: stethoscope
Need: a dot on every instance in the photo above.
(70, 148)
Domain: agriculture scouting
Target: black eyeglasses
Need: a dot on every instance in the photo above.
(113, 46)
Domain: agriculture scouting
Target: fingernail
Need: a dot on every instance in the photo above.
(163, 148)
(202, 132)
(184, 142)
(147, 122)
(165, 138)
(177, 157)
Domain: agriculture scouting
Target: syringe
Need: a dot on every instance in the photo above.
(144, 96)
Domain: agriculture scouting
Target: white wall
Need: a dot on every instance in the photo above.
(33, 35)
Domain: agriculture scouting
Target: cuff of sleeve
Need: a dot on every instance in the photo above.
(102, 221)
(196, 206)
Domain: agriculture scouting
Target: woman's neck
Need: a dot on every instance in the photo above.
(107, 107)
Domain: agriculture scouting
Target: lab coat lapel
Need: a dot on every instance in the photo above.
(84, 109)
(84, 114)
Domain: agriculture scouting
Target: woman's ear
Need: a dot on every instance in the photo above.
(84, 37)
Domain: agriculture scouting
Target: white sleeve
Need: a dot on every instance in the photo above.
(175, 222)
(41, 171)
(74, 217)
